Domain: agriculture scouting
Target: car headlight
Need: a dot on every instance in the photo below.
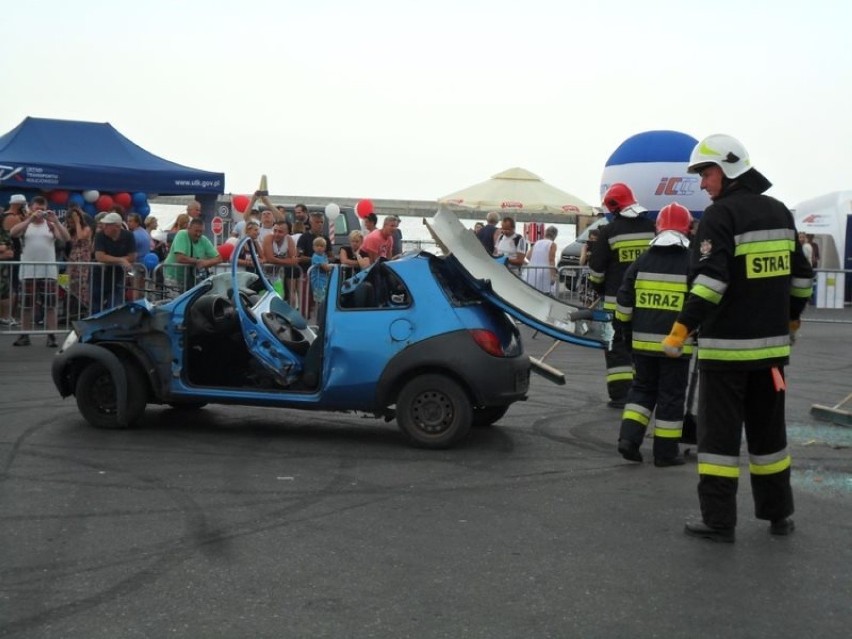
(70, 340)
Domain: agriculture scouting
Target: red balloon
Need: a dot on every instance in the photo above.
(225, 251)
(104, 203)
(364, 208)
(123, 199)
(58, 197)
(240, 202)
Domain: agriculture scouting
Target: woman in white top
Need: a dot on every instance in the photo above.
(541, 270)
(38, 273)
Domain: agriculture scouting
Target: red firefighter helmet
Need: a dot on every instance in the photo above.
(674, 217)
(618, 197)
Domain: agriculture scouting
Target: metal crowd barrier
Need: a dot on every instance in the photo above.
(573, 286)
(42, 305)
(46, 297)
(55, 294)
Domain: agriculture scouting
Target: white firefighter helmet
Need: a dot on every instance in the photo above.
(722, 150)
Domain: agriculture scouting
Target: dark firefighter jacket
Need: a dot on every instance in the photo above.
(651, 296)
(620, 243)
(749, 278)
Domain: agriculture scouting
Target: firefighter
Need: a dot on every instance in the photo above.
(649, 301)
(620, 243)
(750, 283)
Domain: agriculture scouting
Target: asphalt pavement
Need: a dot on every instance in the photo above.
(237, 522)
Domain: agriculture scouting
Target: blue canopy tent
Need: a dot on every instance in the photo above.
(46, 154)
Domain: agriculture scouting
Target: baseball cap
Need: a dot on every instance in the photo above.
(111, 218)
(17, 198)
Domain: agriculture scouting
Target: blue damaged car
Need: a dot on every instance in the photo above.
(430, 340)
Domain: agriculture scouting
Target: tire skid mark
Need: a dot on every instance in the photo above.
(156, 484)
(576, 435)
(199, 535)
(169, 554)
(15, 449)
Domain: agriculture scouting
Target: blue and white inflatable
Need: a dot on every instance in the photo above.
(653, 164)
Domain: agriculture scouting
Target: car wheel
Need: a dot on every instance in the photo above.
(433, 411)
(96, 396)
(488, 415)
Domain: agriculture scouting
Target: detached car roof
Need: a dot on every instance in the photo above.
(525, 303)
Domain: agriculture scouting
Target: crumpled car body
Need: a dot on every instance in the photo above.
(425, 339)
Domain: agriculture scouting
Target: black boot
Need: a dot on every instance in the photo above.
(782, 526)
(702, 530)
(629, 450)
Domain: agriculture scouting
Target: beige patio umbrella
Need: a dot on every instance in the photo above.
(517, 190)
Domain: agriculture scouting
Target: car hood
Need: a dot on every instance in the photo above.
(546, 314)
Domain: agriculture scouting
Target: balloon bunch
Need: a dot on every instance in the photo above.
(92, 201)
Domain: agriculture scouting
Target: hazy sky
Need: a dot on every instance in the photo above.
(415, 100)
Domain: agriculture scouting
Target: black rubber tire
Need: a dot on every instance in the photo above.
(433, 411)
(95, 394)
(488, 415)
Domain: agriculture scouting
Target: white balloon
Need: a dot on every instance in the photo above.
(91, 196)
(332, 211)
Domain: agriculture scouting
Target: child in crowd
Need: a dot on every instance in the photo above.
(319, 270)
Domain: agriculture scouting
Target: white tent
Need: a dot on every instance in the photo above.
(829, 218)
(517, 190)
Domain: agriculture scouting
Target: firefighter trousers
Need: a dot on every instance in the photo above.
(619, 366)
(658, 385)
(728, 400)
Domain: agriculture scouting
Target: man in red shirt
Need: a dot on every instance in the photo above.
(379, 243)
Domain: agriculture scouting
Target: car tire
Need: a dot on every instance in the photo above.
(96, 396)
(488, 415)
(434, 411)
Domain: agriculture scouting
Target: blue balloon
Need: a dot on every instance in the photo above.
(90, 208)
(76, 198)
(142, 210)
(139, 199)
(150, 261)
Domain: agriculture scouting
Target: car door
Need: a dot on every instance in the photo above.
(275, 334)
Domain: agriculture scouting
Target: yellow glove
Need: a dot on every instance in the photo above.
(794, 328)
(673, 343)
